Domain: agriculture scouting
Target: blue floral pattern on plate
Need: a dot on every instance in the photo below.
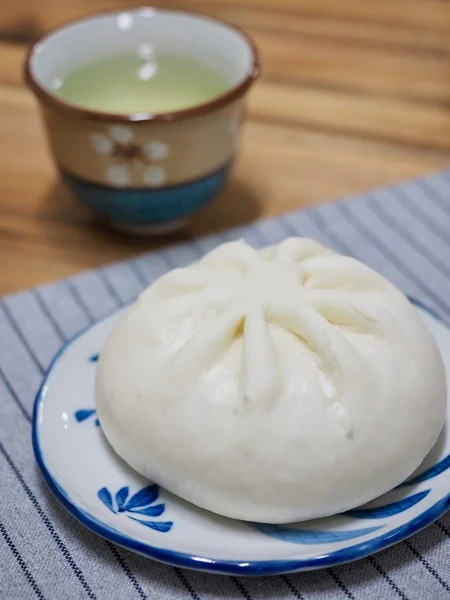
(433, 471)
(141, 503)
(310, 536)
(85, 413)
(388, 510)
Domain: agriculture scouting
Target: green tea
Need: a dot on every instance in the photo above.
(131, 83)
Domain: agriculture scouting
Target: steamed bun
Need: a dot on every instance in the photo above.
(276, 385)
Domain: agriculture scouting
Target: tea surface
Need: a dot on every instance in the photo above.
(130, 83)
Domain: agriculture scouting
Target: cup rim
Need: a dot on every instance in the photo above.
(74, 110)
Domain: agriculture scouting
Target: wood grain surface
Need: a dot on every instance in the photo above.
(354, 94)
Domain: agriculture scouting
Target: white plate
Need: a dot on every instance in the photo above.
(104, 494)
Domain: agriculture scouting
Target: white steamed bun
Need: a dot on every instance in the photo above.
(275, 386)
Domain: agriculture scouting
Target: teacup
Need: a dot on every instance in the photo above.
(144, 172)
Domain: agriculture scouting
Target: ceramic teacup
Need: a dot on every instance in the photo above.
(144, 172)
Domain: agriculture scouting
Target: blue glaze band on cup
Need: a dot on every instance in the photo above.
(144, 207)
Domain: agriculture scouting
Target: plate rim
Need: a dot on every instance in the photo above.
(223, 566)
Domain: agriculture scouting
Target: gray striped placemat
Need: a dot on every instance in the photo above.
(402, 231)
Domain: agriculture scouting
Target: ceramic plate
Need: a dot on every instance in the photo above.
(102, 492)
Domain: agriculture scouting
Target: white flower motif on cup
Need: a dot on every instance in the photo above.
(121, 134)
(156, 150)
(101, 143)
(118, 145)
(117, 175)
(155, 176)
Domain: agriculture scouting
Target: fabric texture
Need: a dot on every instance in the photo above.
(402, 231)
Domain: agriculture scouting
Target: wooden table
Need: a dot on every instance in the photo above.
(355, 94)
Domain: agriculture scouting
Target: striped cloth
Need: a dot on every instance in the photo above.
(403, 232)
